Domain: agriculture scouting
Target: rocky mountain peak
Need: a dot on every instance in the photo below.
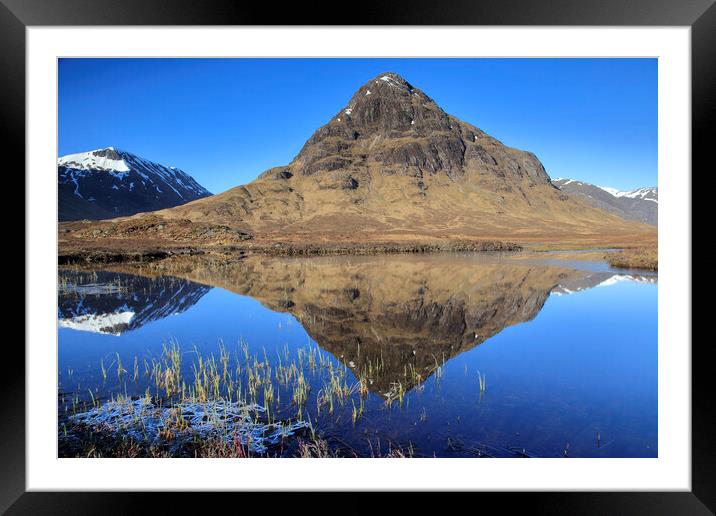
(108, 152)
(393, 127)
(390, 106)
(388, 87)
(386, 115)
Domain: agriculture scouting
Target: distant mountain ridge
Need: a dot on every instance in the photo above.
(108, 183)
(648, 193)
(641, 204)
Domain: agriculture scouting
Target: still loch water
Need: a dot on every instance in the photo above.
(462, 355)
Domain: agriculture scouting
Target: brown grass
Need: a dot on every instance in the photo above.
(638, 258)
(142, 249)
(269, 217)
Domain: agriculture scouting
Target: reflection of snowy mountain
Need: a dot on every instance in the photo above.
(114, 303)
(599, 279)
(618, 278)
(99, 323)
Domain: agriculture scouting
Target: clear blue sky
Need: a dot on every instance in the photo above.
(225, 121)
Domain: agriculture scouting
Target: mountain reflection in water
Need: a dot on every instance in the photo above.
(446, 354)
(388, 314)
(114, 303)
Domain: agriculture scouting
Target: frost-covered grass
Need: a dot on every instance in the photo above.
(150, 424)
(232, 404)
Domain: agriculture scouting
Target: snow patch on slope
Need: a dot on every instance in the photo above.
(645, 194)
(91, 161)
(649, 193)
(619, 278)
(98, 323)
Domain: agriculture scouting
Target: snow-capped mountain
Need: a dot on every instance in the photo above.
(649, 193)
(641, 204)
(107, 183)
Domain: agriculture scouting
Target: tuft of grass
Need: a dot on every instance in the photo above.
(483, 382)
(120, 370)
(637, 258)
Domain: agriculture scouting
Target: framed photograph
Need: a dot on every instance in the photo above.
(266, 252)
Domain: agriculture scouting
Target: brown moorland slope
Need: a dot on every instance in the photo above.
(390, 166)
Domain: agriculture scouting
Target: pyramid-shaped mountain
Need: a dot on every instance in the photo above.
(390, 165)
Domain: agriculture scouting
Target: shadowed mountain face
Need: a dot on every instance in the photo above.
(392, 318)
(114, 303)
(107, 183)
(389, 165)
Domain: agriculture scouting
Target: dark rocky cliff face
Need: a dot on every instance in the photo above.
(390, 123)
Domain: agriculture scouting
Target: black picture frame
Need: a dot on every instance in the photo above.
(700, 15)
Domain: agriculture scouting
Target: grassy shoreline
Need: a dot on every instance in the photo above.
(119, 255)
(642, 257)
